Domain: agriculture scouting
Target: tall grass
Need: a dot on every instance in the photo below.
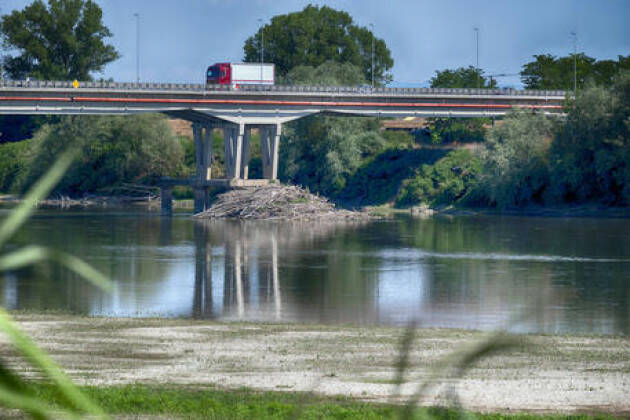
(15, 391)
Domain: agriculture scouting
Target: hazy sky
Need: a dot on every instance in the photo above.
(179, 38)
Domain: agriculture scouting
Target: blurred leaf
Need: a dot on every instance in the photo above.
(33, 254)
(20, 401)
(39, 191)
(39, 359)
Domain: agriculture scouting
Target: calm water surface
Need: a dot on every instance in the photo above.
(550, 275)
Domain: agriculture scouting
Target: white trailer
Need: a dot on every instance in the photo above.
(252, 74)
(236, 74)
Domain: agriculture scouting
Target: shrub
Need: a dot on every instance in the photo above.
(590, 154)
(515, 161)
(112, 151)
(447, 181)
(378, 179)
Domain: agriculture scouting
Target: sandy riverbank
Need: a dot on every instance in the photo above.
(554, 374)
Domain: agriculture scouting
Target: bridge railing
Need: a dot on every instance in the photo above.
(192, 87)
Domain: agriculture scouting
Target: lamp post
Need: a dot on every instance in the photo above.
(477, 66)
(262, 48)
(372, 27)
(137, 16)
(574, 35)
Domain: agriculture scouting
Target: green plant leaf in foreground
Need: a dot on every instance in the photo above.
(457, 364)
(33, 254)
(39, 191)
(39, 359)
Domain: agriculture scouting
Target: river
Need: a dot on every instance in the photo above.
(524, 274)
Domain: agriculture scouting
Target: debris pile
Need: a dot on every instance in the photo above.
(279, 202)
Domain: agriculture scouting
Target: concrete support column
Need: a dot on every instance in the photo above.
(208, 152)
(203, 164)
(270, 143)
(246, 153)
(233, 146)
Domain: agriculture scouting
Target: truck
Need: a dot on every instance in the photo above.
(236, 74)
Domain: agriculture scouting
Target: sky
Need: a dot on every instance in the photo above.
(180, 38)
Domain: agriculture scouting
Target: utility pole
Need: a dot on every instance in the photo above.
(574, 35)
(262, 48)
(476, 29)
(137, 16)
(372, 27)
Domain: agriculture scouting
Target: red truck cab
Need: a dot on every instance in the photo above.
(219, 74)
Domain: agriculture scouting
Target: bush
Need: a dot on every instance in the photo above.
(447, 181)
(515, 161)
(12, 159)
(448, 130)
(321, 152)
(378, 179)
(113, 151)
(590, 154)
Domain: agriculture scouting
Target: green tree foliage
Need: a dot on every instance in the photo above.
(447, 181)
(321, 152)
(329, 73)
(63, 40)
(112, 151)
(12, 162)
(316, 35)
(515, 161)
(591, 152)
(446, 130)
(463, 77)
(550, 72)
(379, 178)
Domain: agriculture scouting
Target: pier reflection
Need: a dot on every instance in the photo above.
(236, 264)
(237, 270)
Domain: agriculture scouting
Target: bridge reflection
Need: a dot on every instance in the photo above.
(249, 272)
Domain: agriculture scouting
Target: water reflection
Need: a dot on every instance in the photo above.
(551, 275)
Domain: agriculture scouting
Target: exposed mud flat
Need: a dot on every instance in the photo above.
(549, 373)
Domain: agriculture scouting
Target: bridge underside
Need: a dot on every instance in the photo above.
(237, 112)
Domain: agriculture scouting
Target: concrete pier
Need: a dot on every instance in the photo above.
(237, 154)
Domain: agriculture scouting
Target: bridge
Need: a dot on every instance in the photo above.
(266, 108)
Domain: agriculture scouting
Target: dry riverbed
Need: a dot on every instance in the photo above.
(544, 374)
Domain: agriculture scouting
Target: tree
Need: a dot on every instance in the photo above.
(550, 72)
(447, 181)
(322, 152)
(63, 40)
(591, 152)
(515, 161)
(112, 151)
(317, 35)
(454, 129)
(327, 74)
(463, 77)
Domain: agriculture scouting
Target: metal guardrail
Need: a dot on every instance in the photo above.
(190, 87)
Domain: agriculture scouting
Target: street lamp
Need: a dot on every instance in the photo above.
(574, 35)
(137, 16)
(262, 48)
(477, 67)
(372, 27)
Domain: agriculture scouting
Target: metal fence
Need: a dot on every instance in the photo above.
(200, 88)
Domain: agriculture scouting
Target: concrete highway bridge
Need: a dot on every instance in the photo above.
(237, 111)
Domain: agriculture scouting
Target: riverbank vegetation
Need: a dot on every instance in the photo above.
(522, 160)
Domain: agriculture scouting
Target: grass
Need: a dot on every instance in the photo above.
(209, 403)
